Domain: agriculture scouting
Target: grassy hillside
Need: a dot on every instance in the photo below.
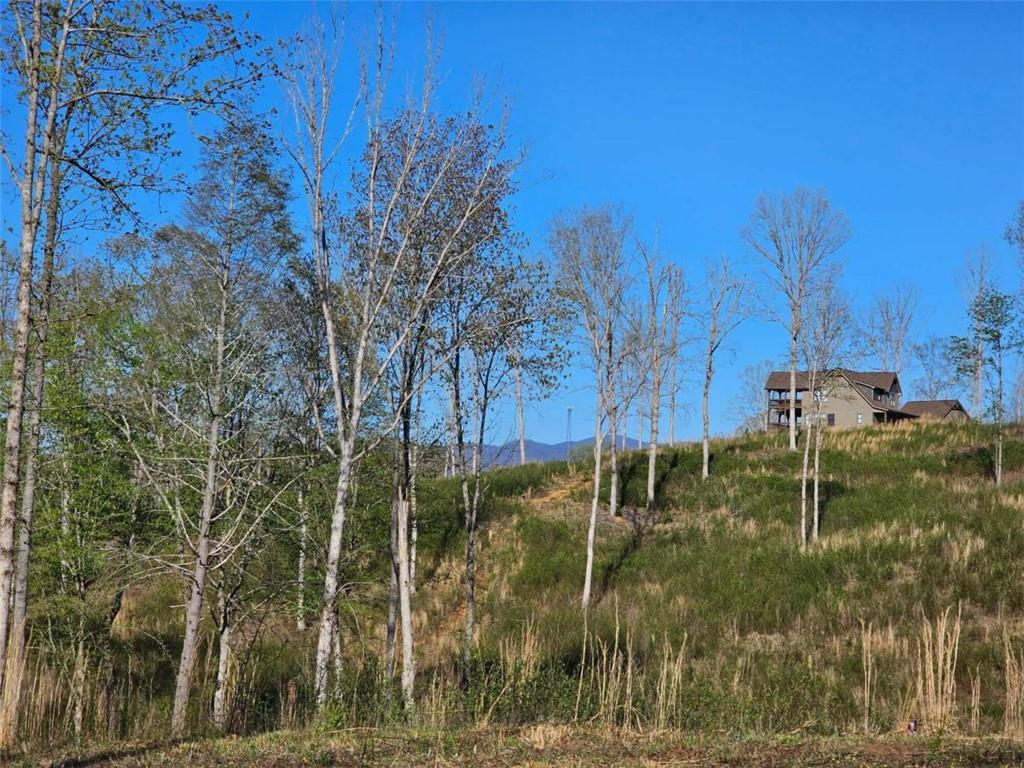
(769, 638)
(708, 617)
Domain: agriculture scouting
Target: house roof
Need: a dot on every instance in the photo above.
(936, 408)
(884, 380)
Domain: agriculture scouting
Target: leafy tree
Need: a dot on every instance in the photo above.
(996, 333)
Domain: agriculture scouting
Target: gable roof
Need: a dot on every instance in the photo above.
(936, 408)
(884, 380)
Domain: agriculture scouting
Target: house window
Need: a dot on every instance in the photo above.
(831, 419)
(860, 418)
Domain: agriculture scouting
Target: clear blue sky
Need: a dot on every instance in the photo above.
(911, 116)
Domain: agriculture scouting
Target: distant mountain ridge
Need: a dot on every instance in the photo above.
(507, 454)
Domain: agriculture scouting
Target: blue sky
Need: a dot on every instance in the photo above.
(911, 116)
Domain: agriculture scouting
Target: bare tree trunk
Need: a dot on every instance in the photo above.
(16, 638)
(652, 446)
(674, 351)
(613, 470)
(817, 469)
(391, 626)
(325, 638)
(414, 524)
(405, 606)
(705, 414)
(300, 612)
(35, 163)
(999, 456)
(803, 493)
(197, 585)
(520, 414)
(78, 683)
(1000, 419)
(12, 445)
(220, 691)
(595, 500)
(480, 418)
(793, 352)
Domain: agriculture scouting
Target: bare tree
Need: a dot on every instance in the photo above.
(1014, 233)
(887, 327)
(235, 234)
(976, 279)
(828, 321)
(663, 315)
(589, 247)
(398, 195)
(512, 303)
(832, 321)
(795, 234)
(718, 316)
(750, 403)
(937, 370)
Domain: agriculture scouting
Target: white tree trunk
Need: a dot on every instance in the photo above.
(803, 493)
(391, 622)
(405, 606)
(706, 416)
(595, 500)
(197, 585)
(200, 568)
(792, 389)
(325, 638)
(613, 468)
(674, 351)
(520, 414)
(37, 156)
(414, 523)
(16, 641)
(817, 469)
(652, 446)
(220, 691)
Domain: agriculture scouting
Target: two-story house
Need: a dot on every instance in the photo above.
(851, 399)
(848, 398)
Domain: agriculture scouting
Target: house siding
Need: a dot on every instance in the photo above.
(845, 402)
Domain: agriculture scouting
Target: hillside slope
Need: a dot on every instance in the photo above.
(707, 617)
(714, 596)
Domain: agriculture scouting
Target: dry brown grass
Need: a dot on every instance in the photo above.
(1013, 672)
(937, 651)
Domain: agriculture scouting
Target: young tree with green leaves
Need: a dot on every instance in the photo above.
(205, 364)
(995, 319)
(91, 76)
